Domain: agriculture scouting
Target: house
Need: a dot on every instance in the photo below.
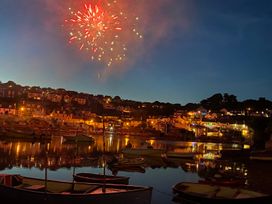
(7, 110)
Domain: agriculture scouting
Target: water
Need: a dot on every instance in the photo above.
(27, 158)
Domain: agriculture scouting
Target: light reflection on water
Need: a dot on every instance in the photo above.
(28, 159)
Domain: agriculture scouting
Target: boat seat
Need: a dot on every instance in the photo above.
(215, 192)
(58, 187)
(17, 180)
(227, 193)
(35, 187)
(92, 188)
(10, 180)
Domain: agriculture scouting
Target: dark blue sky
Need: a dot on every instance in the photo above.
(191, 50)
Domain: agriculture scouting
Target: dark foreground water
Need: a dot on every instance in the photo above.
(27, 158)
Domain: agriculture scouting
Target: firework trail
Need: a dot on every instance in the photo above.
(103, 30)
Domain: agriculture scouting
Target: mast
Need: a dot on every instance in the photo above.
(74, 168)
(104, 164)
(45, 172)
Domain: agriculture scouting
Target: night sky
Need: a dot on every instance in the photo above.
(191, 49)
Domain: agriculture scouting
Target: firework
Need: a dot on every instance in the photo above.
(103, 30)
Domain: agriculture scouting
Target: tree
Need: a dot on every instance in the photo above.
(230, 101)
(260, 126)
(213, 103)
(117, 98)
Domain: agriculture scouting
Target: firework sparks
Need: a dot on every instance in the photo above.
(102, 29)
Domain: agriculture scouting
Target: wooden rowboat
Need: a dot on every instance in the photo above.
(225, 179)
(99, 178)
(16, 188)
(135, 169)
(205, 193)
(232, 182)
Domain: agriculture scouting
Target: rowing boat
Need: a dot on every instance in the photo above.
(16, 188)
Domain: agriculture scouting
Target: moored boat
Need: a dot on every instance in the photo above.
(138, 161)
(79, 139)
(127, 164)
(99, 178)
(205, 193)
(224, 181)
(19, 132)
(136, 169)
(16, 188)
(186, 155)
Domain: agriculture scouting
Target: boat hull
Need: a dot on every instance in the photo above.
(137, 169)
(11, 195)
(214, 194)
(115, 194)
(97, 178)
(224, 182)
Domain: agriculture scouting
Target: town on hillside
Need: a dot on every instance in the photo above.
(46, 111)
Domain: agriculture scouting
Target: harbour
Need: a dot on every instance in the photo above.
(160, 173)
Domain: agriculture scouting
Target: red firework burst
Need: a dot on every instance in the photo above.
(101, 29)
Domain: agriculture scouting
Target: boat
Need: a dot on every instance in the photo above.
(99, 178)
(189, 167)
(19, 132)
(205, 193)
(186, 155)
(127, 164)
(136, 169)
(78, 139)
(17, 188)
(25, 130)
(224, 180)
(138, 161)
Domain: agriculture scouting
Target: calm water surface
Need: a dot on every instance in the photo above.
(28, 159)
